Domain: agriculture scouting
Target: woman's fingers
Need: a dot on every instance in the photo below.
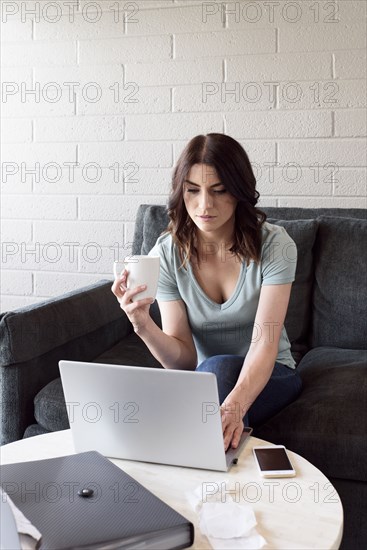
(227, 437)
(232, 436)
(119, 285)
(130, 293)
(126, 295)
(131, 307)
(232, 430)
(236, 436)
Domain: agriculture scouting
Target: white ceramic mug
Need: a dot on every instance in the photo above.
(142, 270)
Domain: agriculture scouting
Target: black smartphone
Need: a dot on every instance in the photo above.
(273, 461)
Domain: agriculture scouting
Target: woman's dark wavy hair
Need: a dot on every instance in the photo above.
(233, 167)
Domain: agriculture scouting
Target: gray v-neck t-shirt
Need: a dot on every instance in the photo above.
(227, 328)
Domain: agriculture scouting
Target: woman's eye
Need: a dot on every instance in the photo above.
(217, 192)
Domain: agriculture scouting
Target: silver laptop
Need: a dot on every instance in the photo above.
(147, 414)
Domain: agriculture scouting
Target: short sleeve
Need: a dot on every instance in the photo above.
(278, 257)
(167, 284)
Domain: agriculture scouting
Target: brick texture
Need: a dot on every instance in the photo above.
(99, 101)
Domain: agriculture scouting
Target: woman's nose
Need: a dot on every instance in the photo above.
(206, 201)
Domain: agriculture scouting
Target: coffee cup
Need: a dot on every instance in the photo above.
(142, 270)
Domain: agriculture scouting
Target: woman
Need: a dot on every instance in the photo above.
(225, 282)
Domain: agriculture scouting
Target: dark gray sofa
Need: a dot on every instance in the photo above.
(326, 323)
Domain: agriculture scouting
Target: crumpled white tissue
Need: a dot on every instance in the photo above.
(228, 525)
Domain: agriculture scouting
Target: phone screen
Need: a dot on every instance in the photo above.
(273, 459)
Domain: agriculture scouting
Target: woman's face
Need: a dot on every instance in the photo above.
(207, 202)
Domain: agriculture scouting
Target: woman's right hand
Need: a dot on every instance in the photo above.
(138, 311)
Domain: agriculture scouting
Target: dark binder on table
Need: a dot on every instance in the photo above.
(120, 512)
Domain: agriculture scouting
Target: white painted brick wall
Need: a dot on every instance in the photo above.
(339, 152)
(42, 153)
(327, 38)
(283, 66)
(133, 100)
(147, 154)
(124, 50)
(174, 72)
(113, 208)
(16, 130)
(118, 93)
(79, 29)
(350, 64)
(329, 94)
(17, 282)
(104, 75)
(350, 181)
(278, 124)
(35, 207)
(205, 44)
(350, 124)
(13, 232)
(42, 53)
(172, 126)
(43, 257)
(79, 129)
(177, 19)
(16, 31)
(15, 74)
(35, 108)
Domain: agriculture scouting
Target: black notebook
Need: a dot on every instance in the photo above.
(118, 513)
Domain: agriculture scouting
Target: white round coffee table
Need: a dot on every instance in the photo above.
(295, 513)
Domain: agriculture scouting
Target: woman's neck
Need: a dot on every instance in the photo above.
(212, 249)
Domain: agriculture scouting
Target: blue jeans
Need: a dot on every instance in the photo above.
(283, 387)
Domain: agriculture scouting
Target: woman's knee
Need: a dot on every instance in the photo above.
(294, 381)
(297, 384)
(290, 379)
(283, 388)
(226, 369)
(220, 364)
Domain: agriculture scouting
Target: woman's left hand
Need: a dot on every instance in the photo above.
(232, 420)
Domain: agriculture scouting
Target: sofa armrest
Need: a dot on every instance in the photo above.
(79, 325)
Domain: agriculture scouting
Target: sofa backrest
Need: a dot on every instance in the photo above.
(158, 218)
(304, 316)
(339, 299)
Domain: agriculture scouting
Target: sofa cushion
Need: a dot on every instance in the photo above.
(339, 296)
(130, 351)
(328, 420)
(35, 429)
(298, 318)
(155, 222)
(49, 404)
(50, 408)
